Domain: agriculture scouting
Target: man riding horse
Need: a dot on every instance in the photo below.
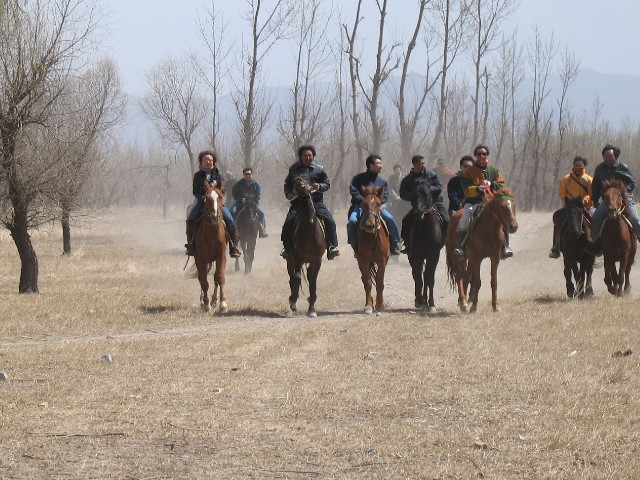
(370, 178)
(475, 181)
(245, 188)
(307, 167)
(611, 169)
(573, 189)
(420, 174)
(210, 173)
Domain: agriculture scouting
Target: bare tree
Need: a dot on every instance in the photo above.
(486, 17)
(93, 107)
(306, 116)
(213, 30)
(175, 102)
(42, 44)
(267, 28)
(354, 69)
(449, 25)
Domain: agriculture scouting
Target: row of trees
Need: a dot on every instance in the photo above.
(453, 77)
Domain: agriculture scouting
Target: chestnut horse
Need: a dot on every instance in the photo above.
(309, 247)
(427, 239)
(617, 238)
(574, 236)
(373, 246)
(210, 242)
(484, 240)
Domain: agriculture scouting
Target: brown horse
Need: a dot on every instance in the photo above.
(485, 240)
(574, 236)
(210, 247)
(373, 246)
(617, 238)
(427, 239)
(309, 247)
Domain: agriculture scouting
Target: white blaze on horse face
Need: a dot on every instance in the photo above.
(214, 197)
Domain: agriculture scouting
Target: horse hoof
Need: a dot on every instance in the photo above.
(312, 314)
(224, 308)
(206, 308)
(293, 308)
(464, 308)
(431, 309)
(497, 309)
(368, 311)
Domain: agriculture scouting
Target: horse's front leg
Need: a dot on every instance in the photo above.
(568, 272)
(365, 274)
(588, 288)
(474, 284)
(204, 285)
(218, 277)
(495, 261)
(380, 285)
(627, 273)
(295, 279)
(417, 269)
(312, 275)
(430, 281)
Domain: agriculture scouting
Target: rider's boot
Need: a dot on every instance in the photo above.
(332, 252)
(594, 248)
(555, 251)
(395, 248)
(459, 251)
(233, 241)
(506, 249)
(190, 234)
(262, 231)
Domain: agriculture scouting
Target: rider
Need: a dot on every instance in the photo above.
(454, 190)
(444, 173)
(249, 187)
(370, 178)
(307, 167)
(208, 171)
(418, 174)
(610, 169)
(475, 180)
(573, 187)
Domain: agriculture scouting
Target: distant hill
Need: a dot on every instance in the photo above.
(618, 95)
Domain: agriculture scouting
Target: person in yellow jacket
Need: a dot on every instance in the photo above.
(574, 187)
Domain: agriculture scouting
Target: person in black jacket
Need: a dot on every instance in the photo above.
(454, 189)
(209, 172)
(610, 169)
(370, 178)
(420, 173)
(306, 166)
(243, 189)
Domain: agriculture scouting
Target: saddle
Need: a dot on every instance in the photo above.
(298, 221)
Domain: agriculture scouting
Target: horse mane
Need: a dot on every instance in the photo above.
(618, 185)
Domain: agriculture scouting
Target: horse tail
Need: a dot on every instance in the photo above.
(373, 271)
(452, 278)
(193, 270)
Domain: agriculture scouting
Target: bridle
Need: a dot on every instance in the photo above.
(376, 215)
(498, 215)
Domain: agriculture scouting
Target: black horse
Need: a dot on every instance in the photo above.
(248, 228)
(427, 239)
(574, 236)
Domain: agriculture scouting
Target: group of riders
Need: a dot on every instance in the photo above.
(466, 190)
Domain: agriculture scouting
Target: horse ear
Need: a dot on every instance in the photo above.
(379, 191)
(223, 189)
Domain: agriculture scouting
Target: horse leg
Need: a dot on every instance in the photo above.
(417, 267)
(250, 254)
(568, 271)
(579, 274)
(608, 280)
(474, 284)
(462, 280)
(380, 286)
(627, 272)
(204, 285)
(237, 268)
(295, 279)
(588, 288)
(495, 261)
(430, 281)
(312, 275)
(218, 277)
(365, 275)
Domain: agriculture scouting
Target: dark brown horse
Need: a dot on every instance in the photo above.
(373, 247)
(210, 247)
(427, 239)
(309, 247)
(248, 227)
(485, 241)
(617, 238)
(574, 236)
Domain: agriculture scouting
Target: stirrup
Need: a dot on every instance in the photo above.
(332, 253)
(459, 252)
(506, 252)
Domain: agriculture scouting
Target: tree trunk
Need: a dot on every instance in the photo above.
(66, 231)
(28, 257)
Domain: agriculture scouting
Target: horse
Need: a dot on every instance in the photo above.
(484, 241)
(309, 247)
(248, 228)
(574, 236)
(373, 247)
(210, 247)
(427, 239)
(617, 238)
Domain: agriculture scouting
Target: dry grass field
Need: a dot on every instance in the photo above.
(533, 392)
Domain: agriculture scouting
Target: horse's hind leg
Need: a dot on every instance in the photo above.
(204, 286)
(367, 283)
(568, 272)
(312, 275)
(417, 269)
(429, 283)
(380, 286)
(295, 279)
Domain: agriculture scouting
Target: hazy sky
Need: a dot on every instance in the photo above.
(603, 35)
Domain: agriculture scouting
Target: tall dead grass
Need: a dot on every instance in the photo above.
(535, 391)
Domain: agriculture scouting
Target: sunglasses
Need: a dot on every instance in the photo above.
(482, 154)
